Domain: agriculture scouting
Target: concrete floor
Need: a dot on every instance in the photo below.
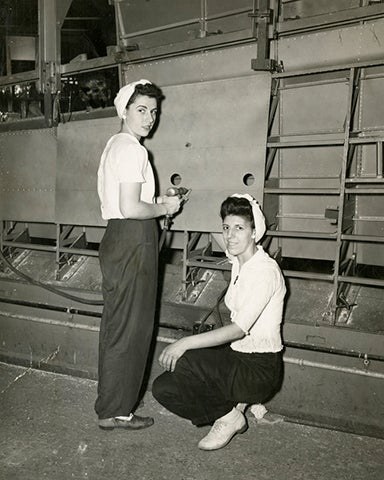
(48, 430)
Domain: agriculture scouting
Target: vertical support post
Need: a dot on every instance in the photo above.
(262, 17)
(2, 229)
(123, 43)
(8, 70)
(57, 253)
(269, 162)
(185, 266)
(49, 56)
(275, 90)
(120, 28)
(353, 91)
(379, 159)
(203, 18)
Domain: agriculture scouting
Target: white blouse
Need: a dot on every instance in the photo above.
(255, 298)
(124, 160)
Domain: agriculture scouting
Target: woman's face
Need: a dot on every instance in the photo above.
(140, 116)
(239, 237)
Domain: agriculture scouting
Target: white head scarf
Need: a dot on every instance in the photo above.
(124, 94)
(258, 216)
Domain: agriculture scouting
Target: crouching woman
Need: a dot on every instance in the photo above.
(209, 374)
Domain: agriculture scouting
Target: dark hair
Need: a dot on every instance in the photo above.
(148, 89)
(237, 206)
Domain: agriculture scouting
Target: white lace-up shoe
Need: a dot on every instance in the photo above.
(222, 433)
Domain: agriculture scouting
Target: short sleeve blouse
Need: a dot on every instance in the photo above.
(255, 298)
(124, 160)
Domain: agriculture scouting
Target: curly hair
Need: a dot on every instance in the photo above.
(149, 90)
(237, 206)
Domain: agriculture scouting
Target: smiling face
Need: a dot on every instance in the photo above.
(140, 116)
(239, 237)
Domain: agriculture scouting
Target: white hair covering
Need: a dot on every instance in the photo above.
(258, 215)
(124, 94)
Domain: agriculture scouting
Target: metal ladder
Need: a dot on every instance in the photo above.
(344, 261)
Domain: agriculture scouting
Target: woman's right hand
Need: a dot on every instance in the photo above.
(172, 204)
(171, 353)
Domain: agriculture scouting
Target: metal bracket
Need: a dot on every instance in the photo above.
(332, 214)
(262, 19)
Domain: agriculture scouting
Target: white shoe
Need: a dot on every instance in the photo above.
(222, 433)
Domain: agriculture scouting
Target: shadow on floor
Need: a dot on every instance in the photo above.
(48, 430)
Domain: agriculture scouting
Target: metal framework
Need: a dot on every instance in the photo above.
(69, 243)
(49, 70)
(349, 186)
(344, 261)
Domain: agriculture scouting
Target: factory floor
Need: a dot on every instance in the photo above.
(48, 430)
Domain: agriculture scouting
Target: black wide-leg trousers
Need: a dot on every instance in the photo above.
(128, 257)
(207, 383)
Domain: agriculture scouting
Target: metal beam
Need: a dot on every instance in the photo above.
(328, 20)
(49, 55)
(23, 77)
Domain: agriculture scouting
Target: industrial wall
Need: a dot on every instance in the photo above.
(305, 138)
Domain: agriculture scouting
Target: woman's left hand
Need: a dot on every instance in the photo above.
(171, 354)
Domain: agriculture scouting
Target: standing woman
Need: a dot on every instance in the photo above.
(205, 384)
(128, 257)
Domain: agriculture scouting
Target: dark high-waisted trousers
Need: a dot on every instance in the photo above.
(128, 257)
(207, 383)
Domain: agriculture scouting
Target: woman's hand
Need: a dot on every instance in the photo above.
(171, 354)
(172, 204)
(219, 336)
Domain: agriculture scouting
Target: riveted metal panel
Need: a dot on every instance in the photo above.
(372, 111)
(27, 175)
(80, 145)
(369, 218)
(140, 15)
(213, 123)
(212, 134)
(308, 8)
(314, 108)
(199, 67)
(332, 47)
(164, 22)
